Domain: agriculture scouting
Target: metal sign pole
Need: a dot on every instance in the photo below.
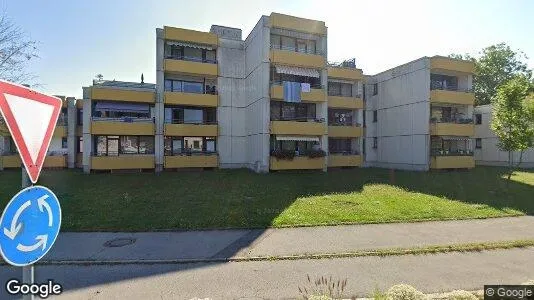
(27, 271)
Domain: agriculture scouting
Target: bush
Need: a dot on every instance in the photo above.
(404, 292)
(461, 295)
(283, 154)
(316, 153)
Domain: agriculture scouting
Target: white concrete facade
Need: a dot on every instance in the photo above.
(489, 153)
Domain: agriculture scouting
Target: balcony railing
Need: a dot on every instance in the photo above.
(437, 85)
(312, 85)
(192, 58)
(294, 49)
(334, 123)
(443, 152)
(299, 119)
(187, 152)
(339, 94)
(349, 63)
(452, 120)
(182, 121)
(345, 152)
(124, 119)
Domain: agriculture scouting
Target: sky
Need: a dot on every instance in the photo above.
(117, 38)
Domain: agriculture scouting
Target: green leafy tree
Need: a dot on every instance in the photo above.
(494, 66)
(513, 118)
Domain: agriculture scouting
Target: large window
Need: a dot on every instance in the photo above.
(284, 111)
(189, 145)
(340, 146)
(279, 78)
(293, 44)
(128, 144)
(339, 89)
(341, 117)
(443, 82)
(190, 87)
(450, 146)
(190, 115)
(190, 53)
(125, 112)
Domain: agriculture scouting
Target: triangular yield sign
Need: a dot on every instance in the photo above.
(31, 118)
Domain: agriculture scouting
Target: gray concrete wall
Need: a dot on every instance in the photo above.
(403, 110)
(87, 138)
(159, 110)
(72, 139)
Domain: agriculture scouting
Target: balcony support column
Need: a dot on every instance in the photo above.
(159, 108)
(72, 121)
(87, 137)
(322, 111)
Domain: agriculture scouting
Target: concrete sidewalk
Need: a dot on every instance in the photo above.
(223, 244)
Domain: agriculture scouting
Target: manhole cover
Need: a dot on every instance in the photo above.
(120, 242)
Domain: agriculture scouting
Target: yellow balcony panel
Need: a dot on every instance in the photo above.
(452, 162)
(451, 64)
(298, 24)
(122, 128)
(60, 131)
(315, 95)
(123, 162)
(122, 95)
(297, 163)
(177, 98)
(187, 35)
(79, 103)
(345, 102)
(292, 58)
(298, 128)
(191, 130)
(4, 131)
(345, 131)
(10, 161)
(452, 97)
(339, 160)
(192, 161)
(190, 67)
(452, 129)
(55, 162)
(79, 130)
(345, 73)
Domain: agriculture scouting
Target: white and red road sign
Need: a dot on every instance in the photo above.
(31, 118)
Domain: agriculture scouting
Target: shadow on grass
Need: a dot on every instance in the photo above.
(241, 199)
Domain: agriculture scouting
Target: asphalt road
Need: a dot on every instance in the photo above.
(281, 279)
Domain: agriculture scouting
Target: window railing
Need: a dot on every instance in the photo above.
(295, 49)
(346, 123)
(436, 85)
(196, 122)
(191, 58)
(299, 119)
(187, 152)
(57, 153)
(452, 120)
(443, 152)
(312, 85)
(123, 119)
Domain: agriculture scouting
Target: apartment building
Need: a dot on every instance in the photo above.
(419, 115)
(63, 140)
(486, 150)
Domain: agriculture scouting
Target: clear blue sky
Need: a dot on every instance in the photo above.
(79, 39)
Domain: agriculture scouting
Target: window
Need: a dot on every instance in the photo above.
(188, 145)
(375, 143)
(375, 89)
(146, 145)
(339, 145)
(340, 89)
(119, 145)
(129, 145)
(478, 143)
(190, 115)
(340, 117)
(292, 111)
(80, 145)
(80, 117)
(64, 143)
(375, 116)
(478, 119)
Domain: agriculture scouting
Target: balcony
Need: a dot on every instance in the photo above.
(122, 126)
(55, 161)
(191, 66)
(344, 160)
(297, 24)
(452, 128)
(352, 102)
(191, 161)
(124, 162)
(451, 64)
(60, 131)
(316, 94)
(10, 161)
(452, 96)
(206, 129)
(187, 35)
(309, 127)
(452, 161)
(291, 57)
(297, 163)
(351, 74)
(193, 99)
(344, 131)
(122, 95)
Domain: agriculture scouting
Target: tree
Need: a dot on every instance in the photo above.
(16, 51)
(99, 77)
(513, 118)
(494, 66)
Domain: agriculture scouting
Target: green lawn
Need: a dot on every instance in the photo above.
(239, 198)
